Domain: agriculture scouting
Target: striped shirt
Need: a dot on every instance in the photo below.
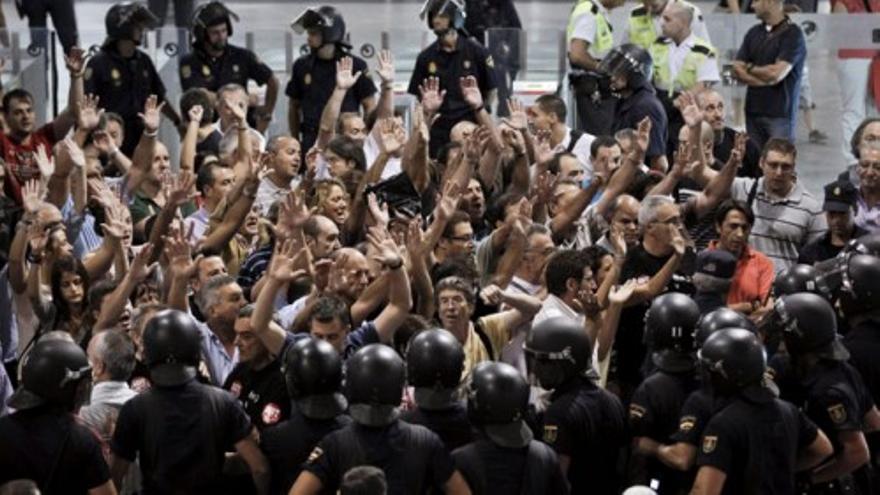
(782, 226)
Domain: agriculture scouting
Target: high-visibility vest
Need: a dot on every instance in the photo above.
(604, 40)
(687, 75)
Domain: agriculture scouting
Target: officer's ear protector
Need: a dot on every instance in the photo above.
(452, 8)
(325, 18)
(210, 14)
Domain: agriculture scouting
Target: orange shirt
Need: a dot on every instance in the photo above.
(753, 277)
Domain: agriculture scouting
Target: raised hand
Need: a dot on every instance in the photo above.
(103, 142)
(617, 240)
(74, 152)
(678, 242)
(238, 109)
(389, 137)
(284, 261)
(100, 192)
(432, 97)
(386, 66)
(543, 149)
(75, 61)
(89, 115)
(140, 266)
(643, 135)
(378, 213)
(179, 254)
(387, 252)
(344, 77)
(420, 124)
(542, 188)
(152, 114)
(195, 114)
(687, 105)
(114, 225)
(415, 245)
(448, 201)
(620, 294)
(518, 118)
(491, 295)
(180, 189)
(470, 91)
(32, 196)
(45, 162)
(514, 139)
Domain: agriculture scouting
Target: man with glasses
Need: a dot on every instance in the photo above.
(457, 238)
(787, 216)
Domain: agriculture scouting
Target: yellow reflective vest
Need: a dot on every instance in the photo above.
(604, 40)
(687, 75)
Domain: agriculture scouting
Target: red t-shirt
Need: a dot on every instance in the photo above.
(857, 7)
(20, 158)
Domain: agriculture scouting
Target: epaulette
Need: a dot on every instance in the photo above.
(705, 50)
(638, 11)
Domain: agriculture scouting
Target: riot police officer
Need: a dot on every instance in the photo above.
(830, 391)
(670, 324)
(42, 441)
(434, 363)
(451, 58)
(629, 69)
(588, 38)
(505, 459)
(412, 456)
(313, 375)
(214, 62)
(584, 424)
(313, 76)
(124, 76)
(753, 443)
(797, 278)
(180, 429)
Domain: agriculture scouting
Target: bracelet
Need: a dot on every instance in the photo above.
(151, 134)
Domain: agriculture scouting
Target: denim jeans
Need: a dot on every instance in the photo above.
(761, 129)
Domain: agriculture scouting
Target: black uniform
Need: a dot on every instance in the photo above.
(588, 425)
(654, 412)
(755, 443)
(288, 444)
(124, 86)
(490, 468)
(312, 82)
(63, 20)
(412, 456)
(262, 393)
(632, 109)
(451, 425)
(236, 65)
(863, 343)
(821, 249)
(468, 59)
(696, 412)
(503, 43)
(50, 447)
(180, 435)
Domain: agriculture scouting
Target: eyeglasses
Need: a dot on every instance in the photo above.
(875, 166)
(462, 238)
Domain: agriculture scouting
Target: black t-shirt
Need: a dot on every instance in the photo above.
(696, 412)
(451, 425)
(412, 457)
(821, 249)
(34, 441)
(587, 424)
(654, 413)
(288, 444)
(490, 468)
(262, 393)
(180, 435)
(236, 65)
(756, 445)
(644, 103)
(750, 164)
(784, 42)
(863, 342)
(629, 347)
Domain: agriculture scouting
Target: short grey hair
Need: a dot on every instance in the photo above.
(207, 296)
(229, 142)
(116, 351)
(648, 209)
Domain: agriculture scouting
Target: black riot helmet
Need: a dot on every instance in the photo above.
(670, 324)
(454, 9)
(54, 372)
(211, 14)
(374, 380)
(498, 397)
(313, 373)
(797, 278)
(326, 19)
(434, 363)
(861, 285)
(867, 244)
(122, 18)
(719, 319)
(631, 61)
(557, 350)
(808, 325)
(735, 360)
(172, 347)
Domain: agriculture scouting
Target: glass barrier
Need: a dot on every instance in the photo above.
(26, 65)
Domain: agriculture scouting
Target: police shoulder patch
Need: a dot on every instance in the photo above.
(307, 79)
(550, 432)
(206, 71)
(88, 73)
(185, 71)
(837, 413)
(490, 62)
(709, 443)
(687, 423)
(432, 68)
(636, 411)
(315, 455)
(705, 50)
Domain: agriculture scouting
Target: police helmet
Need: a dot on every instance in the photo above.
(557, 350)
(809, 325)
(735, 359)
(172, 347)
(52, 373)
(122, 17)
(797, 278)
(861, 285)
(434, 363)
(211, 14)
(719, 319)
(498, 397)
(326, 19)
(313, 373)
(868, 244)
(631, 61)
(374, 380)
(454, 9)
(670, 324)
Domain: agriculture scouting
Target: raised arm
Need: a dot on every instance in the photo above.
(385, 70)
(399, 296)
(286, 266)
(75, 61)
(345, 79)
(190, 139)
(115, 303)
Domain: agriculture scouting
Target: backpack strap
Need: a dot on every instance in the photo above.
(484, 339)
